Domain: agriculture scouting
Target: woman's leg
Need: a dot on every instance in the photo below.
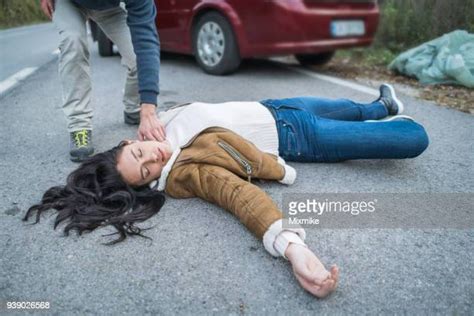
(336, 109)
(307, 138)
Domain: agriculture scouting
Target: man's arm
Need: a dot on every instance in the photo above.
(146, 44)
(141, 21)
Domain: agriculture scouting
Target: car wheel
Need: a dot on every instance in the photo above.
(214, 44)
(315, 59)
(106, 47)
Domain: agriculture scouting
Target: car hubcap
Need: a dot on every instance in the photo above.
(210, 44)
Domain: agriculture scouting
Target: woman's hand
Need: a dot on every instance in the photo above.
(310, 272)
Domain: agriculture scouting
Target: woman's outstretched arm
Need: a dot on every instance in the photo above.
(310, 272)
(257, 211)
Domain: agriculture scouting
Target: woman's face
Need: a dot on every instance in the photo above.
(140, 163)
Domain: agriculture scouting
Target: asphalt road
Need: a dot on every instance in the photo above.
(202, 260)
(27, 47)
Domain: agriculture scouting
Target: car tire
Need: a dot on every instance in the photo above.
(106, 47)
(314, 59)
(214, 45)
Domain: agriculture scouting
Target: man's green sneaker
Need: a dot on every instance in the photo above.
(80, 145)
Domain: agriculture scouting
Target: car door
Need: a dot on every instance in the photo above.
(171, 20)
(257, 19)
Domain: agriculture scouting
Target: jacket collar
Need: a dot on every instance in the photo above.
(160, 183)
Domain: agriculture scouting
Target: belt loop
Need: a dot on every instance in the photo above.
(270, 108)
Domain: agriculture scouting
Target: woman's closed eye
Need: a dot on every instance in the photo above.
(140, 153)
(145, 173)
(136, 154)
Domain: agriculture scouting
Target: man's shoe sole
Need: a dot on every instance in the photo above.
(77, 159)
(80, 158)
(130, 120)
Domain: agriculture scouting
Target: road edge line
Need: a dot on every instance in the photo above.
(13, 80)
(338, 81)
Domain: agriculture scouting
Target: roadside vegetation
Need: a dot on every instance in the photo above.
(408, 23)
(405, 24)
(20, 12)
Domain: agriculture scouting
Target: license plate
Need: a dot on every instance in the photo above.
(347, 28)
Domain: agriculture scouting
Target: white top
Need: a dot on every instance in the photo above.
(251, 120)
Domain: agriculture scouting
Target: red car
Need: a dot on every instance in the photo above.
(220, 33)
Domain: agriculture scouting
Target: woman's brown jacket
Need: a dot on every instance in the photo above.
(218, 166)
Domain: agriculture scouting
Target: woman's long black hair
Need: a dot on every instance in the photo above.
(96, 196)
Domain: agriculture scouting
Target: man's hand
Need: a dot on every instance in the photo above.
(310, 272)
(150, 126)
(48, 8)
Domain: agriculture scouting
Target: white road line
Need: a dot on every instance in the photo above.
(11, 81)
(22, 30)
(337, 81)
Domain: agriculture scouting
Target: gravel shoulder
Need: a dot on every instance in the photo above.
(372, 74)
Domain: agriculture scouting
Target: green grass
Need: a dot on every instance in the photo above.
(20, 12)
(408, 23)
(368, 56)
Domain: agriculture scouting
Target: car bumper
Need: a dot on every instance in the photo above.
(307, 47)
(306, 28)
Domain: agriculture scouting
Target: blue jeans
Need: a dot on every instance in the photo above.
(321, 130)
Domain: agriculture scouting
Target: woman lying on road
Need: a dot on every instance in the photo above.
(213, 151)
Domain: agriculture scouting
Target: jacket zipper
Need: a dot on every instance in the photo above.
(238, 157)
